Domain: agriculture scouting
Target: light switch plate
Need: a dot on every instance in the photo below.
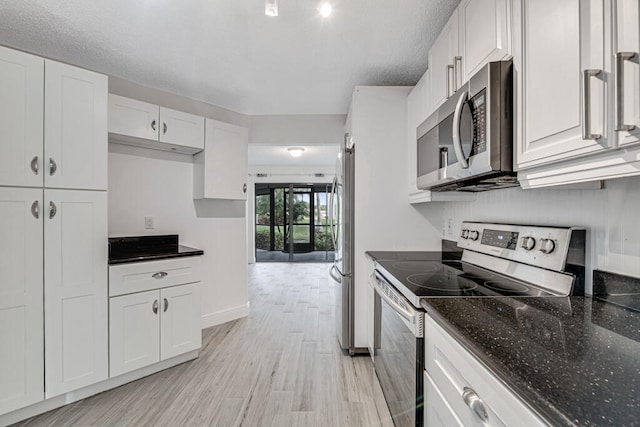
(148, 222)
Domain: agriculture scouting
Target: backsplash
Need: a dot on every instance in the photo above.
(610, 216)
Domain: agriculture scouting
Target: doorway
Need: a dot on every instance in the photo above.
(292, 223)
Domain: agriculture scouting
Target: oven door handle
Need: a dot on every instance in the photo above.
(405, 312)
(457, 143)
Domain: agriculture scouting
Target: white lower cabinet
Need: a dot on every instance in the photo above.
(456, 382)
(75, 291)
(160, 319)
(21, 289)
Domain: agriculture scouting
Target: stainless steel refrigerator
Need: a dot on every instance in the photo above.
(342, 229)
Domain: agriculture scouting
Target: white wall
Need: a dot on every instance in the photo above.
(153, 183)
(610, 216)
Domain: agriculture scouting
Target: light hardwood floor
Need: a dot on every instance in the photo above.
(281, 366)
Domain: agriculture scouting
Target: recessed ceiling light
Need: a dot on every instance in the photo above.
(295, 151)
(325, 9)
(271, 7)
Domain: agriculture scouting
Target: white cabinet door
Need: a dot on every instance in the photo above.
(133, 118)
(220, 171)
(441, 63)
(437, 412)
(134, 331)
(626, 39)
(555, 42)
(21, 118)
(21, 331)
(180, 320)
(485, 34)
(75, 271)
(181, 128)
(75, 128)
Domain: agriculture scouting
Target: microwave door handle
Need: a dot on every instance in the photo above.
(457, 144)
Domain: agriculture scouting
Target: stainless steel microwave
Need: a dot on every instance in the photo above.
(467, 143)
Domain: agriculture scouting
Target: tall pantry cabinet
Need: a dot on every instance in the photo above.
(53, 229)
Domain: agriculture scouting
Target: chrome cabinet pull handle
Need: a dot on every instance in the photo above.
(449, 69)
(586, 91)
(621, 57)
(159, 275)
(154, 307)
(457, 60)
(53, 209)
(164, 128)
(476, 404)
(244, 188)
(53, 166)
(35, 209)
(153, 124)
(166, 305)
(34, 165)
(457, 143)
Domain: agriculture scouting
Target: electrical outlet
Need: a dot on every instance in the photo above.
(148, 222)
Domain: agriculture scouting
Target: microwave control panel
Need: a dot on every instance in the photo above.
(478, 108)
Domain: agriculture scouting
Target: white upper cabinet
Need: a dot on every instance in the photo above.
(75, 128)
(485, 34)
(478, 32)
(21, 308)
(75, 271)
(442, 60)
(559, 54)
(626, 48)
(21, 118)
(220, 171)
(416, 113)
(138, 123)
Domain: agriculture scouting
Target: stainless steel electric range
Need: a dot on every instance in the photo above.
(498, 261)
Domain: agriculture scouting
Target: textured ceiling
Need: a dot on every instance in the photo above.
(228, 53)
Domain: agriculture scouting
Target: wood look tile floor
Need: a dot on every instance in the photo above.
(281, 366)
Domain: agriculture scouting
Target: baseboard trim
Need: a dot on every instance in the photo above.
(83, 393)
(213, 319)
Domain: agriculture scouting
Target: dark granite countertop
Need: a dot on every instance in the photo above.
(573, 360)
(182, 251)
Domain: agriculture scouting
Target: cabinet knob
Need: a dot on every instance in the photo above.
(35, 209)
(154, 307)
(53, 209)
(166, 305)
(476, 404)
(53, 166)
(159, 275)
(164, 128)
(153, 124)
(244, 188)
(34, 165)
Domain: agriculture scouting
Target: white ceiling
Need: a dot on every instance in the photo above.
(277, 155)
(228, 53)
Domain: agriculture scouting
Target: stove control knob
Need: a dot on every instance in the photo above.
(465, 233)
(528, 243)
(474, 235)
(547, 246)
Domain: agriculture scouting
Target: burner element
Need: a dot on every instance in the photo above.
(420, 266)
(443, 282)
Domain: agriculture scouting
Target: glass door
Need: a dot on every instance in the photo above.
(292, 223)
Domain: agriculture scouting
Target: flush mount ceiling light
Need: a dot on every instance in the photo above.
(271, 7)
(295, 151)
(325, 9)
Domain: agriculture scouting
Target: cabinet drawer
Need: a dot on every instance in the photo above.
(144, 276)
(453, 369)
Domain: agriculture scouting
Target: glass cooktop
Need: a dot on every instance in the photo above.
(454, 278)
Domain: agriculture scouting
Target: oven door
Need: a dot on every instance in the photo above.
(399, 359)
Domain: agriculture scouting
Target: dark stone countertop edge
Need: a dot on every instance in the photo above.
(183, 251)
(544, 413)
